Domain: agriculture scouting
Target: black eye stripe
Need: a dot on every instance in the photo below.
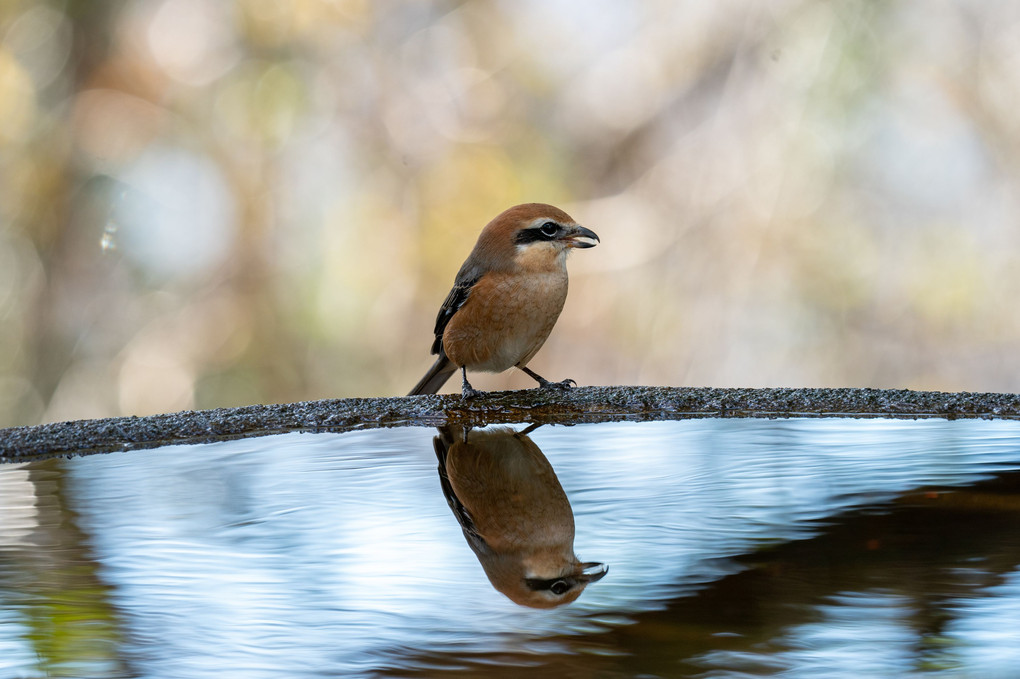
(557, 586)
(544, 232)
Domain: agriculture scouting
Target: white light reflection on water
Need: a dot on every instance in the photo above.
(991, 628)
(871, 634)
(693, 492)
(864, 633)
(16, 656)
(336, 555)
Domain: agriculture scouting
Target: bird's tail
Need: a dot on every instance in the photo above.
(436, 377)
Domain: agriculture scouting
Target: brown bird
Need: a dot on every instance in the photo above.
(514, 514)
(506, 297)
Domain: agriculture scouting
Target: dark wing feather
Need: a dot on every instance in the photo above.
(454, 301)
(442, 369)
(442, 444)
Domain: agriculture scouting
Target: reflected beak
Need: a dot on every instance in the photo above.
(592, 571)
(580, 237)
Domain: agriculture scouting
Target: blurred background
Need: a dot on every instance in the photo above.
(207, 203)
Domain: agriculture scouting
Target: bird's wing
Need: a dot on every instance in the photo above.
(454, 301)
(467, 524)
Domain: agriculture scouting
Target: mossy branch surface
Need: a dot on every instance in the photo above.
(585, 404)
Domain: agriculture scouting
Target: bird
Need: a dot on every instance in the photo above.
(514, 514)
(506, 297)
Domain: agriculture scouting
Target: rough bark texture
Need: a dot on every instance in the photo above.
(586, 404)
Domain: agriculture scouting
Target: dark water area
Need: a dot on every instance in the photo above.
(734, 547)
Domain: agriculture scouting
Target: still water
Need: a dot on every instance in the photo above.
(803, 548)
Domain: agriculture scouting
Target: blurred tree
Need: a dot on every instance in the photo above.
(211, 204)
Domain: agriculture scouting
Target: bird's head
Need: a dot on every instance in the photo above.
(553, 590)
(533, 236)
(546, 579)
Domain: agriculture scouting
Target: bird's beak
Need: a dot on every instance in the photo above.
(579, 232)
(592, 571)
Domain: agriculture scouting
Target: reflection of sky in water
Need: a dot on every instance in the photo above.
(296, 553)
(708, 489)
(860, 632)
(991, 628)
(14, 653)
(869, 633)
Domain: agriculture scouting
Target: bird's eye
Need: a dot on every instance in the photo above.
(549, 229)
(559, 587)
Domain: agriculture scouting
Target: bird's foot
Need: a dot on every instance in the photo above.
(468, 392)
(546, 384)
(562, 386)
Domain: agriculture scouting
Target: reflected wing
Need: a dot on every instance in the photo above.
(441, 444)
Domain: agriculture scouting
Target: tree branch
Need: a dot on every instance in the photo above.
(586, 404)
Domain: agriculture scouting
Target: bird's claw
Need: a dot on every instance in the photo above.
(562, 386)
(468, 393)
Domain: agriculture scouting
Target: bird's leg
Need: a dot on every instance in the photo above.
(531, 428)
(546, 384)
(466, 390)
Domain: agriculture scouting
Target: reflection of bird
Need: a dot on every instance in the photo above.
(506, 297)
(514, 514)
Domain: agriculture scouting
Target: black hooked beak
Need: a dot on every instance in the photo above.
(592, 571)
(579, 232)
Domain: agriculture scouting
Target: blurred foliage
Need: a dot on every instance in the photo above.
(50, 580)
(213, 204)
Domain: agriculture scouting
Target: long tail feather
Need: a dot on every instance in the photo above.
(435, 378)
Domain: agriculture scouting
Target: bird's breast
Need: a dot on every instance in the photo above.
(505, 320)
(512, 494)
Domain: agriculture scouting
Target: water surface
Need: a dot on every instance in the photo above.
(806, 547)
